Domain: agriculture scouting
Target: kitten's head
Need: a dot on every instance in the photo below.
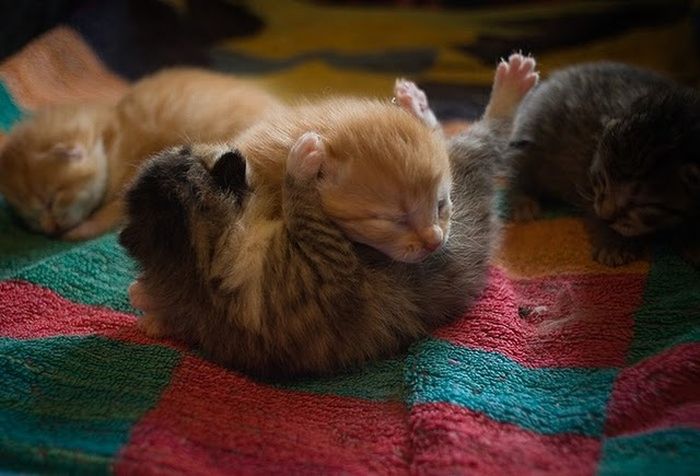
(386, 182)
(646, 172)
(182, 199)
(53, 167)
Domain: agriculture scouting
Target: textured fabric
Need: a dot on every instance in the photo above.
(562, 367)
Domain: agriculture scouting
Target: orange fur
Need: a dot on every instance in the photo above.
(81, 197)
(384, 175)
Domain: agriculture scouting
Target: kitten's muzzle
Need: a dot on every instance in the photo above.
(432, 246)
(431, 238)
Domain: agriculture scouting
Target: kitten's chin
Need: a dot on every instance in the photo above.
(396, 255)
(404, 257)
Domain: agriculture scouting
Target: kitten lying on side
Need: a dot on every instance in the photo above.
(267, 283)
(64, 169)
(622, 144)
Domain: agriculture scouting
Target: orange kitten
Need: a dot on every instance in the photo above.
(385, 177)
(64, 169)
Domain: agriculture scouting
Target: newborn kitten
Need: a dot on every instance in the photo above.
(65, 167)
(620, 143)
(53, 166)
(270, 285)
(385, 179)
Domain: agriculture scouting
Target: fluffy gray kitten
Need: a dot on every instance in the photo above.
(621, 144)
(329, 304)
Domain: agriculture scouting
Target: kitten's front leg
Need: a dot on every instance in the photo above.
(307, 225)
(513, 80)
(609, 247)
(105, 219)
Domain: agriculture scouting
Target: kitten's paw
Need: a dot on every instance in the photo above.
(413, 100)
(85, 231)
(615, 255)
(524, 209)
(151, 326)
(513, 79)
(306, 156)
(138, 297)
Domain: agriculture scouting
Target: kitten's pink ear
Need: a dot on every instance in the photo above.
(68, 152)
(690, 174)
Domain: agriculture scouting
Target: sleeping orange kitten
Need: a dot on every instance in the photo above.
(64, 169)
(385, 180)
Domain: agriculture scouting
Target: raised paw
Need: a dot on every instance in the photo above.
(524, 208)
(615, 255)
(306, 156)
(513, 79)
(413, 100)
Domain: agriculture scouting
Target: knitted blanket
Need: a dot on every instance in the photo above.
(563, 366)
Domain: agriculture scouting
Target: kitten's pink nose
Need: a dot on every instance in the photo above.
(431, 238)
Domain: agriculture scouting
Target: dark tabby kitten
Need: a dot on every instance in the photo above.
(620, 143)
(293, 296)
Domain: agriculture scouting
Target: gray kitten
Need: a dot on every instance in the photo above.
(620, 143)
(328, 304)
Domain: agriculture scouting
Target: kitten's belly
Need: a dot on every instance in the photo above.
(239, 264)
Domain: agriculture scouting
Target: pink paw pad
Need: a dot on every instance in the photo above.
(305, 157)
(516, 76)
(413, 100)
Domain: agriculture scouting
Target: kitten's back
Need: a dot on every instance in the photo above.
(559, 122)
(184, 105)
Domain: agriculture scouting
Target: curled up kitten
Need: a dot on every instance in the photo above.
(270, 285)
(64, 168)
(621, 144)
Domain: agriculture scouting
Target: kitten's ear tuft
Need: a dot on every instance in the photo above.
(690, 174)
(68, 152)
(229, 172)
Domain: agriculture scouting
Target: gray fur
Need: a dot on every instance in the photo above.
(558, 125)
(607, 136)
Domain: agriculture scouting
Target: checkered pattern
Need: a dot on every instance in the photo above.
(562, 367)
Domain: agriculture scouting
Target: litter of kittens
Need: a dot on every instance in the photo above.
(558, 364)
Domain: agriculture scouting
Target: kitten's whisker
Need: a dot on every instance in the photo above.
(583, 193)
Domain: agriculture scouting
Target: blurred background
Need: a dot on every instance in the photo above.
(63, 50)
